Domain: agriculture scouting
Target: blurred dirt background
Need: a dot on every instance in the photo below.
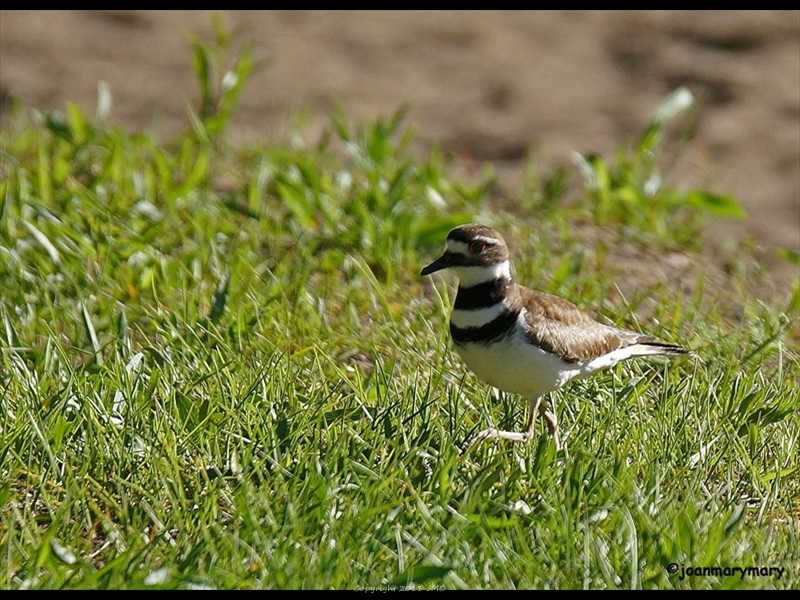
(493, 86)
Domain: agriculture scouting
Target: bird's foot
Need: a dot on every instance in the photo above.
(492, 433)
(512, 436)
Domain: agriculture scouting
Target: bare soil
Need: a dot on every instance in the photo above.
(494, 86)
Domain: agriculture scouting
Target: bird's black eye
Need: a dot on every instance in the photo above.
(477, 247)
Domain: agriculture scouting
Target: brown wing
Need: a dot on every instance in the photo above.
(560, 327)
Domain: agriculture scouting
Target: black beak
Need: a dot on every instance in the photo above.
(440, 263)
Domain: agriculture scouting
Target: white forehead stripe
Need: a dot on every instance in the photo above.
(457, 247)
(469, 276)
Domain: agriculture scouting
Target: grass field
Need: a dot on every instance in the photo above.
(219, 368)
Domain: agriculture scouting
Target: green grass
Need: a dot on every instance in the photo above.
(220, 368)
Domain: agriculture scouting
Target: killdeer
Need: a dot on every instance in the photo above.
(523, 341)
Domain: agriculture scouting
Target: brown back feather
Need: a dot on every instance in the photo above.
(560, 327)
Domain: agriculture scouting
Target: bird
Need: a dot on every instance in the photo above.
(524, 341)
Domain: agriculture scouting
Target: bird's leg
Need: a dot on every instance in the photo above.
(552, 422)
(514, 436)
(536, 404)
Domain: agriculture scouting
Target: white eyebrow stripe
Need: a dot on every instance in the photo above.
(463, 248)
(488, 240)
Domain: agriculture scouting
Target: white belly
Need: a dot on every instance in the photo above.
(514, 365)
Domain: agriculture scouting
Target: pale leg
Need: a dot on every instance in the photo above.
(519, 436)
(552, 423)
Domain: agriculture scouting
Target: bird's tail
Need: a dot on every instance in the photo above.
(651, 347)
